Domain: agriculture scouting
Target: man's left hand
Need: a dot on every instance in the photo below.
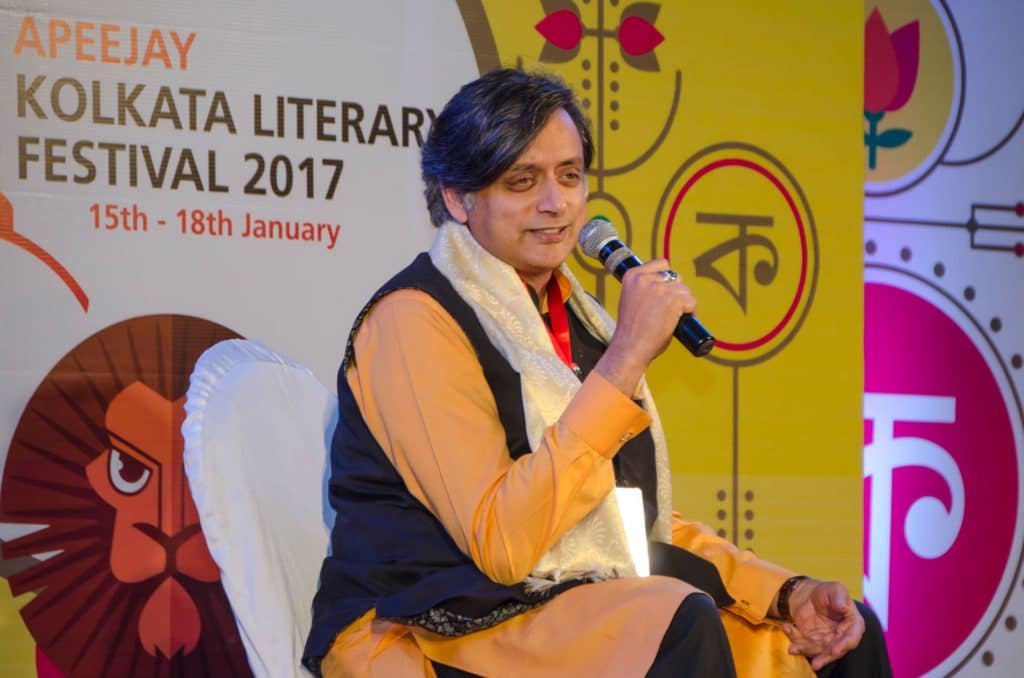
(826, 624)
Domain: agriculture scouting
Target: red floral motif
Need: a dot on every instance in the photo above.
(890, 74)
(638, 36)
(890, 64)
(562, 29)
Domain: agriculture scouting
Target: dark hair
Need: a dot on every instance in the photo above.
(486, 126)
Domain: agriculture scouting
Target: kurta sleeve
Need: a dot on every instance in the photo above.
(750, 581)
(423, 394)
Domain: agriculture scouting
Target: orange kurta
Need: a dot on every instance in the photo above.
(423, 394)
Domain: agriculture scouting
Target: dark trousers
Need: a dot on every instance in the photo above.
(695, 644)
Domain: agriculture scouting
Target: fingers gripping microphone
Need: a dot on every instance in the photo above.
(599, 240)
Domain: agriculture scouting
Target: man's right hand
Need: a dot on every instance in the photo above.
(649, 311)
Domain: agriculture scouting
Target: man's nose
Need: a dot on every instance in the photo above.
(552, 197)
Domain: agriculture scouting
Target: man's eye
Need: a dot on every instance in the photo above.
(521, 183)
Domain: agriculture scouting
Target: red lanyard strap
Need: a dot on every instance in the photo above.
(559, 329)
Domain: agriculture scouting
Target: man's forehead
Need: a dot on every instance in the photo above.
(558, 143)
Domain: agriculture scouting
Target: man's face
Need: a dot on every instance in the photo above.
(531, 215)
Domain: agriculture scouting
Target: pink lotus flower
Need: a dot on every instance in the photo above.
(890, 74)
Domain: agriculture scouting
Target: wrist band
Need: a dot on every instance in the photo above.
(785, 591)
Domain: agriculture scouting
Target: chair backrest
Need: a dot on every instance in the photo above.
(257, 435)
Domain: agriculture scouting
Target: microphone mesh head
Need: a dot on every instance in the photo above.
(594, 234)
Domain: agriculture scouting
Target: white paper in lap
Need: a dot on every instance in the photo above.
(631, 507)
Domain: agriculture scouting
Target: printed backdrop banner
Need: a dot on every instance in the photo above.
(734, 151)
(172, 174)
(943, 253)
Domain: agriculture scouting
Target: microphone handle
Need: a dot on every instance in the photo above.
(689, 332)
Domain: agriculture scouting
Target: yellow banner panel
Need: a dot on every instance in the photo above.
(729, 141)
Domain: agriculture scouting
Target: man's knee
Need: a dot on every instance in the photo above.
(694, 643)
(701, 615)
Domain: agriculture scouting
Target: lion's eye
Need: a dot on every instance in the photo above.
(128, 474)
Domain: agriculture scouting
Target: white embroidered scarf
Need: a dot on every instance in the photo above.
(595, 547)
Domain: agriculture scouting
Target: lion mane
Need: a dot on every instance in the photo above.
(124, 583)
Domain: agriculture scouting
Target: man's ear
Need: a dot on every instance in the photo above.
(453, 200)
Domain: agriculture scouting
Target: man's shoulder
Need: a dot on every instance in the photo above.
(406, 306)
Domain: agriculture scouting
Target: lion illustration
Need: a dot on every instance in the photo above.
(130, 588)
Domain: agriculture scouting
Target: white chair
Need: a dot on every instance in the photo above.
(257, 438)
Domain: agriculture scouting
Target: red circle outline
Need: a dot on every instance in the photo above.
(740, 162)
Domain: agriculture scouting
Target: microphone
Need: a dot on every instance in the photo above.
(599, 240)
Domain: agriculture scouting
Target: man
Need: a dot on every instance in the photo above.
(489, 408)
